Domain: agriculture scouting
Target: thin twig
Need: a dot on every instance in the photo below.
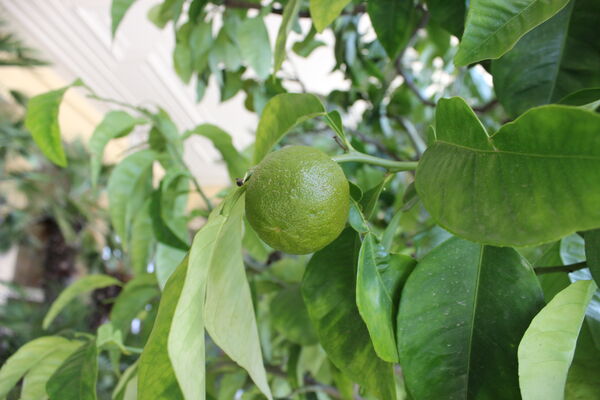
(560, 268)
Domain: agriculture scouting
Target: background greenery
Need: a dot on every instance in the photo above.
(474, 207)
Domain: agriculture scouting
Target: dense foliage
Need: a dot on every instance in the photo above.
(469, 263)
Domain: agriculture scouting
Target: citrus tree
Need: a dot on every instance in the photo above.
(452, 232)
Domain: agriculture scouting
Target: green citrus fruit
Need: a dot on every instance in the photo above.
(297, 200)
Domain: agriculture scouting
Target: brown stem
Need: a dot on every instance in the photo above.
(560, 268)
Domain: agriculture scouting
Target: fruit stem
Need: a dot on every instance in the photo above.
(391, 165)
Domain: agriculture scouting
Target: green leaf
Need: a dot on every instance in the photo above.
(533, 180)
(356, 218)
(76, 378)
(34, 383)
(371, 196)
(167, 209)
(380, 278)
(582, 380)
(27, 357)
(547, 348)
(290, 317)
(255, 46)
(216, 295)
(156, 376)
(42, 121)
(129, 376)
(109, 338)
(290, 13)
(493, 27)
(136, 294)
(227, 51)
(86, 284)
(142, 239)
(329, 288)
(557, 58)
(450, 14)
(165, 261)
(253, 244)
(462, 314)
(124, 184)
(281, 114)
(394, 22)
(228, 309)
(324, 12)
(237, 164)
(118, 9)
(183, 62)
(587, 98)
(115, 124)
(592, 253)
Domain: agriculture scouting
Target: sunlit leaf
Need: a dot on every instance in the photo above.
(290, 13)
(114, 125)
(42, 121)
(84, 285)
(281, 114)
(547, 348)
(27, 358)
(127, 188)
(324, 12)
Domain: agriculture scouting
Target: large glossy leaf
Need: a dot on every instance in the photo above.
(124, 194)
(84, 285)
(329, 288)
(547, 348)
(324, 12)
(281, 114)
(378, 285)
(156, 376)
(42, 121)
(117, 12)
(237, 164)
(493, 27)
(136, 294)
(449, 14)
(394, 22)
(34, 383)
(255, 46)
(228, 309)
(114, 125)
(462, 314)
(76, 378)
(290, 317)
(557, 58)
(26, 358)
(533, 181)
(592, 253)
(290, 13)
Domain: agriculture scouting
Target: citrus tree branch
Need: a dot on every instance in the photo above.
(560, 268)
(391, 165)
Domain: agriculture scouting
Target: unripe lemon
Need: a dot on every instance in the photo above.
(297, 200)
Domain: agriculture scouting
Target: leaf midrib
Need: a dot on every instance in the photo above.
(475, 295)
(532, 155)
